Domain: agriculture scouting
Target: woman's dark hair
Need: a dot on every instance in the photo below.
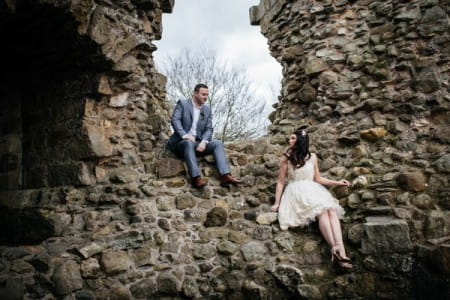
(299, 153)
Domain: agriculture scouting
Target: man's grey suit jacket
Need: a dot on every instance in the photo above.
(182, 117)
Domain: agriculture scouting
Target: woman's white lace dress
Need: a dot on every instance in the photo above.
(303, 199)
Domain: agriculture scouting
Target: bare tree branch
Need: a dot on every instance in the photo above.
(237, 113)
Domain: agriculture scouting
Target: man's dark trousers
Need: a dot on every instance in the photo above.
(186, 149)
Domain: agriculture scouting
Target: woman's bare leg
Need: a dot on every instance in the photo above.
(325, 228)
(337, 232)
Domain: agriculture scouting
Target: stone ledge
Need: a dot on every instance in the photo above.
(385, 235)
(19, 198)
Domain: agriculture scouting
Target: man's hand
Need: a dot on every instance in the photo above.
(189, 137)
(201, 147)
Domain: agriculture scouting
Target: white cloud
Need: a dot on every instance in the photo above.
(244, 47)
(250, 51)
(224, 26)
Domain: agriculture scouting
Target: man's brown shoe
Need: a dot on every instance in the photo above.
(198, 182)
(227, 179)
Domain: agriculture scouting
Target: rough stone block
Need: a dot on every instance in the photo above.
(144, 288)
(114, 262)
(341, 191)
(262, 233)
(124, 175)
(21, 267)
(308, 291)
(98, 142)
(90, 250)
(67, 278)
(289, 276)
(118, 291)
(355, 233)
(204, 251)
(123, 46)
(216, 217)
(437, 224)
(170, 167)
(412, 181)
(167, 6)
(120, 100)
(72, 173)
(41, 262)
(127, 64)
(167, 283)
(441, 258)
(185, 201)
(144, 257)
(443, 163)
(433, 21)
(103, 86)
(373, 134)
(389, 262)
(227, 248)
(267, 218)
(385, 235)
(256, 13)
(426, 81)
(90, 268)
(252, 251)
(315, 65)
(254, 291)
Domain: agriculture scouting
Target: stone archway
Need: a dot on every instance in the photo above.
(49, 72)
(77, 81)
(71, 71)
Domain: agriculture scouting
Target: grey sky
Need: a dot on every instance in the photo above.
(222, 25)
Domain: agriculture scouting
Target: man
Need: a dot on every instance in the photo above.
(192, 123)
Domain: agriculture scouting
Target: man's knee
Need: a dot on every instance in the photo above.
(184, 148)
(186, 144)
(216, 143)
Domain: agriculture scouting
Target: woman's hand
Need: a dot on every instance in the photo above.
(275, 207)
(344, 182)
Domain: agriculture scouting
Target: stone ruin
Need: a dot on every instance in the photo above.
(93, 207)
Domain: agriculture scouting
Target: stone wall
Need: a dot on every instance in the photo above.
(10, 143)
(118, 219)
(83, 85)
(80, 99)
(371, 79)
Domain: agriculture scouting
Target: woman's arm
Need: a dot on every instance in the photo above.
(280, 183)
(325, 181)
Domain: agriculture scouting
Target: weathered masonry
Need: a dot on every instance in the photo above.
(92, 207)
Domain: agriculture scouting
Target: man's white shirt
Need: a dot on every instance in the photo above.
(193, 130)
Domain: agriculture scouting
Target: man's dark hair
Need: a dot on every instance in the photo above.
(200, 86)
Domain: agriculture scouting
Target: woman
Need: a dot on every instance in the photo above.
(305, 199)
